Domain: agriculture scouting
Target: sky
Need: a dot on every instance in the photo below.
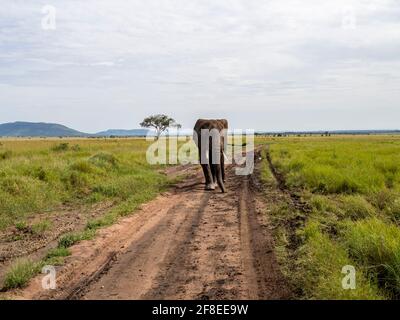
(264, 65)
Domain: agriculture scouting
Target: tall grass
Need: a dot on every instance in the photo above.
(320, 269)
(376, 244)
(42, 174)
(352, 185)
(340, 165)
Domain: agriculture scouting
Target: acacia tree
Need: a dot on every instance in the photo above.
(160, 122)
(178, 127)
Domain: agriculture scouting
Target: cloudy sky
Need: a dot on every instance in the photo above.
(266, 65)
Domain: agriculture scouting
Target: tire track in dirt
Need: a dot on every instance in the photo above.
(281, 181)
(187, 244)
(134, 274)
(205, 249)
(295, 222)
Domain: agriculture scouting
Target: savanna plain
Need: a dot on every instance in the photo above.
(329, 202)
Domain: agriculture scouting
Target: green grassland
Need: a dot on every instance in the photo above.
(352, 185)
(40, 175)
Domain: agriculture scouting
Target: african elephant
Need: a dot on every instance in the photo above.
(210, 137)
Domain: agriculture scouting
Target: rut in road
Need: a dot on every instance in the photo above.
(207, 245)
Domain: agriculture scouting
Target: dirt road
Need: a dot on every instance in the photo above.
(186, 244)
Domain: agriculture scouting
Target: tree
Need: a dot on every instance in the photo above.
(160, 123)
(178, 127)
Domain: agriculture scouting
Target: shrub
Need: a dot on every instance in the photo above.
(76, 180)
(76, 148)
(4, 155)
(64, 146)
(40, 173)
(104, 160)
(83, 166)
(21, 226)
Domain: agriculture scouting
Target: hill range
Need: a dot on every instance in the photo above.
(42, 129)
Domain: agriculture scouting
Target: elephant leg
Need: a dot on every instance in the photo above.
(213, 172)
(206, 169)
(223, 166)
(208, 175)
(219, 177)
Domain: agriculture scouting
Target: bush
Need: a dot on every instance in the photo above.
(83, 166)
(40, 173)
(21, 226)
(76, 148)
(104, 160)
(64, 146)
(4, 155)
(76, 180)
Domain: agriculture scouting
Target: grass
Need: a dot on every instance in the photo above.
(42, 226)
(352, 185)
(56, 256)
(376, 244)
(71, 238)
(319, 270)
(20, 273)
(337, 165)
(40, 175)
(24, 269)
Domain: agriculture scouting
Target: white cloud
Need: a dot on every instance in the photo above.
(250, 61)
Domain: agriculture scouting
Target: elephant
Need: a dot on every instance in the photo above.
(212, 158)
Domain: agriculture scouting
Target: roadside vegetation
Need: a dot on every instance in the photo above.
(352, 188)
(41, 176)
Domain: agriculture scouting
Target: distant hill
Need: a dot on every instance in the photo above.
(123, 133)
(40, 129)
